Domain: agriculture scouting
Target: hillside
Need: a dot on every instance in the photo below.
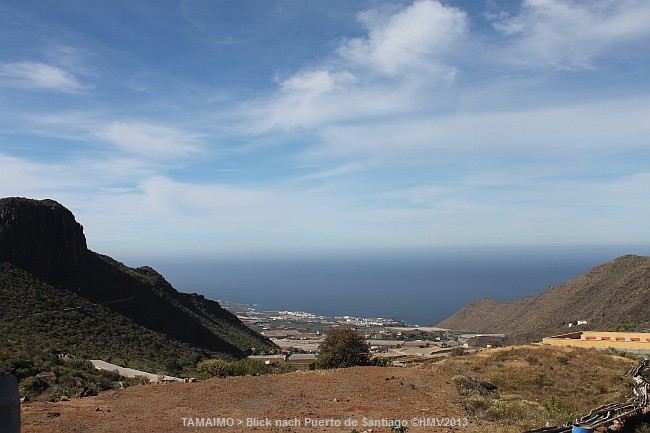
(611, 296)
(534, 385)
(341, 394)
(538, 385)
(57, 297)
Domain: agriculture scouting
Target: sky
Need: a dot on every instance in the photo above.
(204, 127)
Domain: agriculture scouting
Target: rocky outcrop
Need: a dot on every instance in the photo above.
(39, 234)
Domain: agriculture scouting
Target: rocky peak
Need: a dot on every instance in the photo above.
(40, 234)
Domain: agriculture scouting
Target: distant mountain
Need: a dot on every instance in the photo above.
(615, 295)
(57, 295)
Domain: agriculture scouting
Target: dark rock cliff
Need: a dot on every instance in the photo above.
(42, 238)
(39, 234)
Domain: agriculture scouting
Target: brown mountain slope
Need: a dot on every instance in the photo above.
(611, 295)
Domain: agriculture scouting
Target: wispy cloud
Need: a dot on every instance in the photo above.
(565, 130)
(412, 123)
(147, 139)
(340, 170)
(65, 182)
(130, 137)
(35, 75)
(570, 34)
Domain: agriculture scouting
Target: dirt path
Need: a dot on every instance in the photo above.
(130, 372)
(327, 397)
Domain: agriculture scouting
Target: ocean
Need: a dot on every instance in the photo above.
(419, 287)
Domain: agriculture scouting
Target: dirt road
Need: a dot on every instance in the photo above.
(130, 372)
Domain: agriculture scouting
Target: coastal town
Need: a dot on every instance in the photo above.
(299, 334)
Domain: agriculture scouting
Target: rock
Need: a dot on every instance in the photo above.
(39, 235)
(484, 388)
(47, 376)
(53, 414)
(64, 398)
(86, 392)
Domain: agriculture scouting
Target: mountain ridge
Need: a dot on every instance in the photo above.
(44, 257)
(613, 295)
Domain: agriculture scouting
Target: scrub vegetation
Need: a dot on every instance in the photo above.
(523, 387)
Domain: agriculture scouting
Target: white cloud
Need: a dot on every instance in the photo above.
(580, 127)
(36, 75)
(75, 176)
(20, 177)
(404, 135)
(380, 74)
(137, 140)
(570, 34)
(316, 82)
(163, 216)
(217, 203)
(154, 141)
(302, 101)
(317, 106)
(411, 39)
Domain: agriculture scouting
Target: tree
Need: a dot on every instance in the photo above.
(342, 348)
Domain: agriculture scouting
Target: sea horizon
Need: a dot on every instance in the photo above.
(416, 286)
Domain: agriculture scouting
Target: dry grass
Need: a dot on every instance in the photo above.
(349, 393)
(538, 384)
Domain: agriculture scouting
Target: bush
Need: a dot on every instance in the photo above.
(478, 403)
(381, 362)
(214, 367)
(343, 348)
(513, 408)
(249, 367)
(461, 383)
(243, 367)
(553, 404)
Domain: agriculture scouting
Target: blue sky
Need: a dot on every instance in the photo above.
(207, 126)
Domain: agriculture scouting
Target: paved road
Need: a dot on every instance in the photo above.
(130, 372)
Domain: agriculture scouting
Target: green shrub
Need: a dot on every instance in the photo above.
(460, 381)
(243, 367)
(553, 404)
(249, 367)
(214, 367)
(478, 403)
(513, 408)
